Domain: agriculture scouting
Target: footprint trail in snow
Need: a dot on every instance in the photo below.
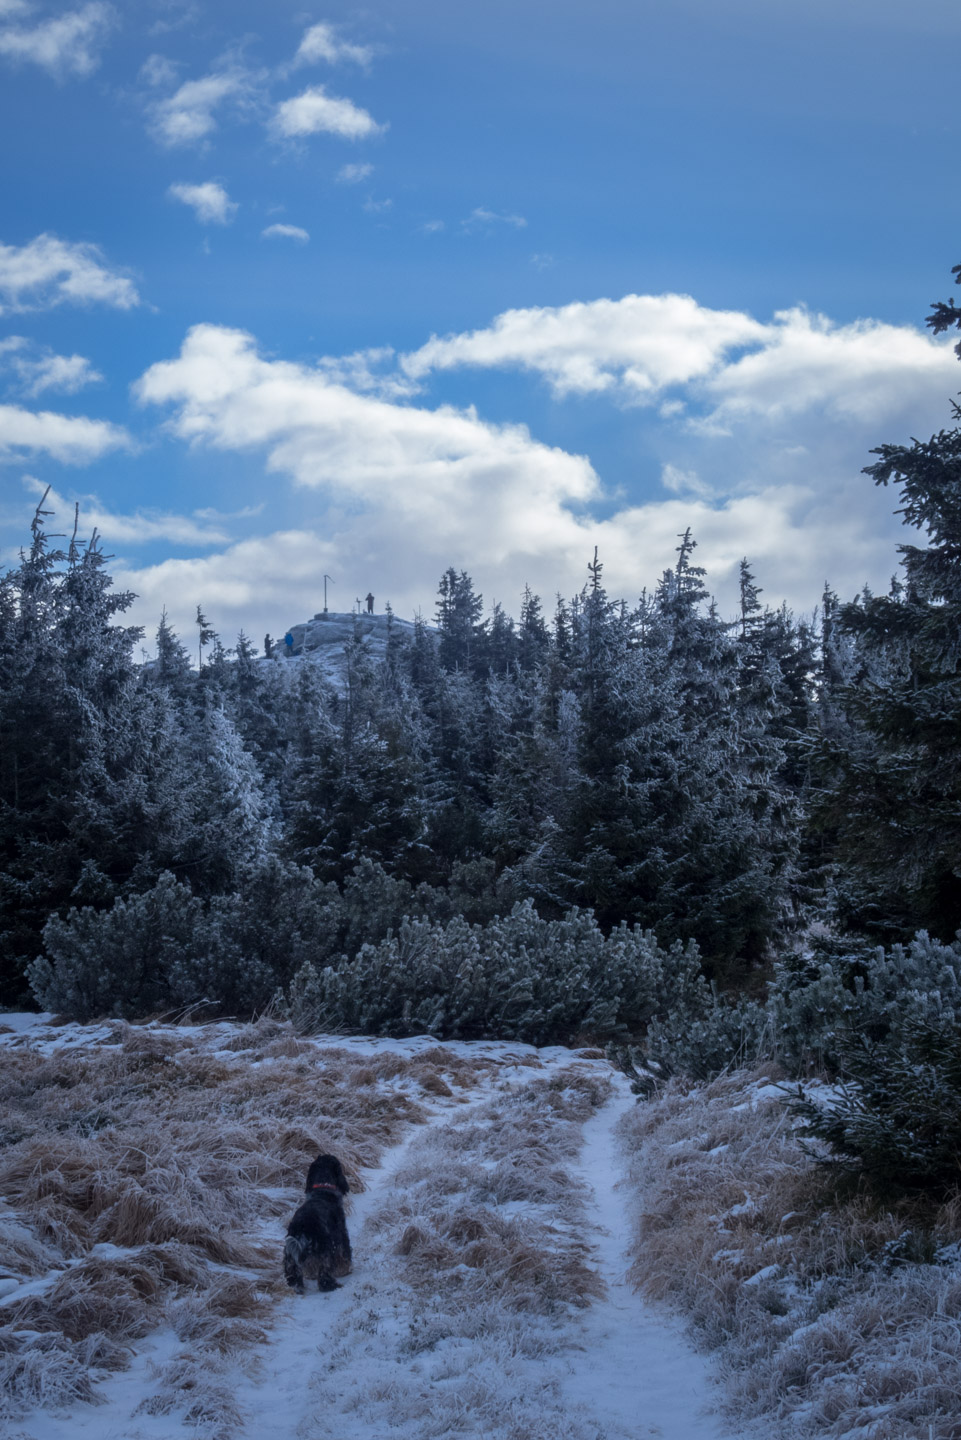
(488, 1296)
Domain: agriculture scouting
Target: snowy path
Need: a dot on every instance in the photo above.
(637, 1369)
(275, 1398)
(435, 1343)
(617, 1371)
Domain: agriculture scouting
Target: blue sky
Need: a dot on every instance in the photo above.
(374, 290)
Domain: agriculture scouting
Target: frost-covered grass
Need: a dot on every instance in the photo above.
(823, 1317)
(482, 1266)
(146, 1177)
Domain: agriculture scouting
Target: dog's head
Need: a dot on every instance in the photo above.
(327, 1170)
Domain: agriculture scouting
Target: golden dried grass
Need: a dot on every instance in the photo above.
(788, 1277)
(466, 1250)
(160, 1144)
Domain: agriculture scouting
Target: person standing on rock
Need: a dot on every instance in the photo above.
(370, 603)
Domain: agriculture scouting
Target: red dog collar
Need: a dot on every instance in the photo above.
(326, 1187)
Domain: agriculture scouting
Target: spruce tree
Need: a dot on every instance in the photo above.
(895, 774)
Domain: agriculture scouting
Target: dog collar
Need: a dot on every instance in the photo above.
(326, 1187)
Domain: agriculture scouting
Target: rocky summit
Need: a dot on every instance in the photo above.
(323, 639)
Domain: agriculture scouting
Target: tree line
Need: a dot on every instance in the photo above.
(704, 779)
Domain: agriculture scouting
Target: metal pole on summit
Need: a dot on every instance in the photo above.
(326, 578)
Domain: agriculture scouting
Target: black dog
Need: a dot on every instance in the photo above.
(317, 1245)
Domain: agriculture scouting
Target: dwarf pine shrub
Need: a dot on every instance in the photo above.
(896, 1117)
(818, 1001)
(820, 1006)
(119, 961)
(519, 977)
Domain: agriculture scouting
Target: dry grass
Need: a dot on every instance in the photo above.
(811, 1296)
(455, 1236)
(136, 1167)
(49, 1371)
(479, 1273)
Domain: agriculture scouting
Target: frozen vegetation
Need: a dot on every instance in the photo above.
(149, 1173)
(663, 846)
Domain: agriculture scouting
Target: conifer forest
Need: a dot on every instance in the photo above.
(632, 818)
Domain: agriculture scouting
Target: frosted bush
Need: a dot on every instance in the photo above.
(818, 1004)
(520, 977)
(818, 999)
(119, 962)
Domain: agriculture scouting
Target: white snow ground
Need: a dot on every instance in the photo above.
(637, 1368)
(377, 1360)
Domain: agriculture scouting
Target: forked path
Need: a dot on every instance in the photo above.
(637, 1371)
(402, 1351)
(616, 1371)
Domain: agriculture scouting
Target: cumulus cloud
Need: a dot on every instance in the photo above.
(321, 42)
(636, 346)
(863, 371)
(395, 491)
(354, 174)
(38, 368)
(325, 435)
(73, 440)
(315, 112)
(286, 232)
(67, 44)
(397, 483)
(48, 271)
(209, 201)
(187, 116)
(641, 348)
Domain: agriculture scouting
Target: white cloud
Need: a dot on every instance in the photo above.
(38, 368)
(432, 227)
(685, 482)
(158, 70)
(634, 347)
(68, 44)
(641, 347)
(864, 371)
(187, 116)
(286, 232)
(47, 272)
(315, 112)
(320, 42)
(377, 207)
(143, 527)
(73, 440)
(210, 202)
(395, 491)
(482, 218)
(354, 174)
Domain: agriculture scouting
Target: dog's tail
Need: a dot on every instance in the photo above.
(295, 1248)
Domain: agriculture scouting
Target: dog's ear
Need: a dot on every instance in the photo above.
(341, 1180)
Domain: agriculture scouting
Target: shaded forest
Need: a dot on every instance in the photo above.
(636, 773)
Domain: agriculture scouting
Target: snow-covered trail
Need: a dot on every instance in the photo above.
(637, 1369)
(275, 1395)
(428, 1340)
(616, 1371)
